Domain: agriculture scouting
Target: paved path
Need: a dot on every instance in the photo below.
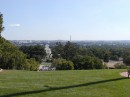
(125, 74)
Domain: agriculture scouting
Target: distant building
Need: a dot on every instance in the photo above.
(46, 68)
(48, 52)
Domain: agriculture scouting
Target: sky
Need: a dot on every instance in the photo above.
(60, 19)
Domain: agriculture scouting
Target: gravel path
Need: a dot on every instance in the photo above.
(125, 74)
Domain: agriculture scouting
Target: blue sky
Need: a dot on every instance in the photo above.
(58, 19)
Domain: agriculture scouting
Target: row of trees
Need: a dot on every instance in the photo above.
(104, 52)
(71, 52)
(81, 63)
(68, 56)
(91, 57)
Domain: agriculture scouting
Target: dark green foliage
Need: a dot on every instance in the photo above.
(57, 50)
(105, 52)
(127, 60)
(117, 52)
(75, 53)
(76, 61)
(31, 65)
(36, 52)
(67, 51)
(62, 64)
(85, 51)
(126, 57)
(70, 51)
(98, 51)
(98, 64)
(87, 62)
(106, 58)
(114, 57)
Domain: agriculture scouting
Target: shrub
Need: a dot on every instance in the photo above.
(63, 64)
(31, 64)
(87, 62)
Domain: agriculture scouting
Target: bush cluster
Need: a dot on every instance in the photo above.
(63, 64)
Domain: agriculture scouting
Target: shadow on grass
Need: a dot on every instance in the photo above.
(61, 88)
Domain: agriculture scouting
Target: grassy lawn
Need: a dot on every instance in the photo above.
(82, 83)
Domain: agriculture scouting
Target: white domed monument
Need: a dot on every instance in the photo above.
(48, 52)
(45, 66)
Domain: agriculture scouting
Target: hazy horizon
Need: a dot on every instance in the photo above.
(68, 40)
(58, 19)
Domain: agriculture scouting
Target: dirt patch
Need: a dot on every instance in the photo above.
(111, 63)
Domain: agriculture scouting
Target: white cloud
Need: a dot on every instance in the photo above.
(15, 25)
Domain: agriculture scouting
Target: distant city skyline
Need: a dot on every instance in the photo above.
(66, 19)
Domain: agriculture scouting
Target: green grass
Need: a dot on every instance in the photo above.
(82, 83)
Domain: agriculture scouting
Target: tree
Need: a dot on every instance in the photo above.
(126, 60)
(57, 50)
(70, 51)
(31, 65)
(37, 52)
(114, 57)
(1, 24)
(106, 57)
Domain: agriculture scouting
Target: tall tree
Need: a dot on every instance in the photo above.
(1, 24)
(70, 51)
(37, 52)
(58, 50)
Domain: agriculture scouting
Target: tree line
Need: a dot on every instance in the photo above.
(90, 57)
(72, 56)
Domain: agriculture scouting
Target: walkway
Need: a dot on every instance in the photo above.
(125, 74)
